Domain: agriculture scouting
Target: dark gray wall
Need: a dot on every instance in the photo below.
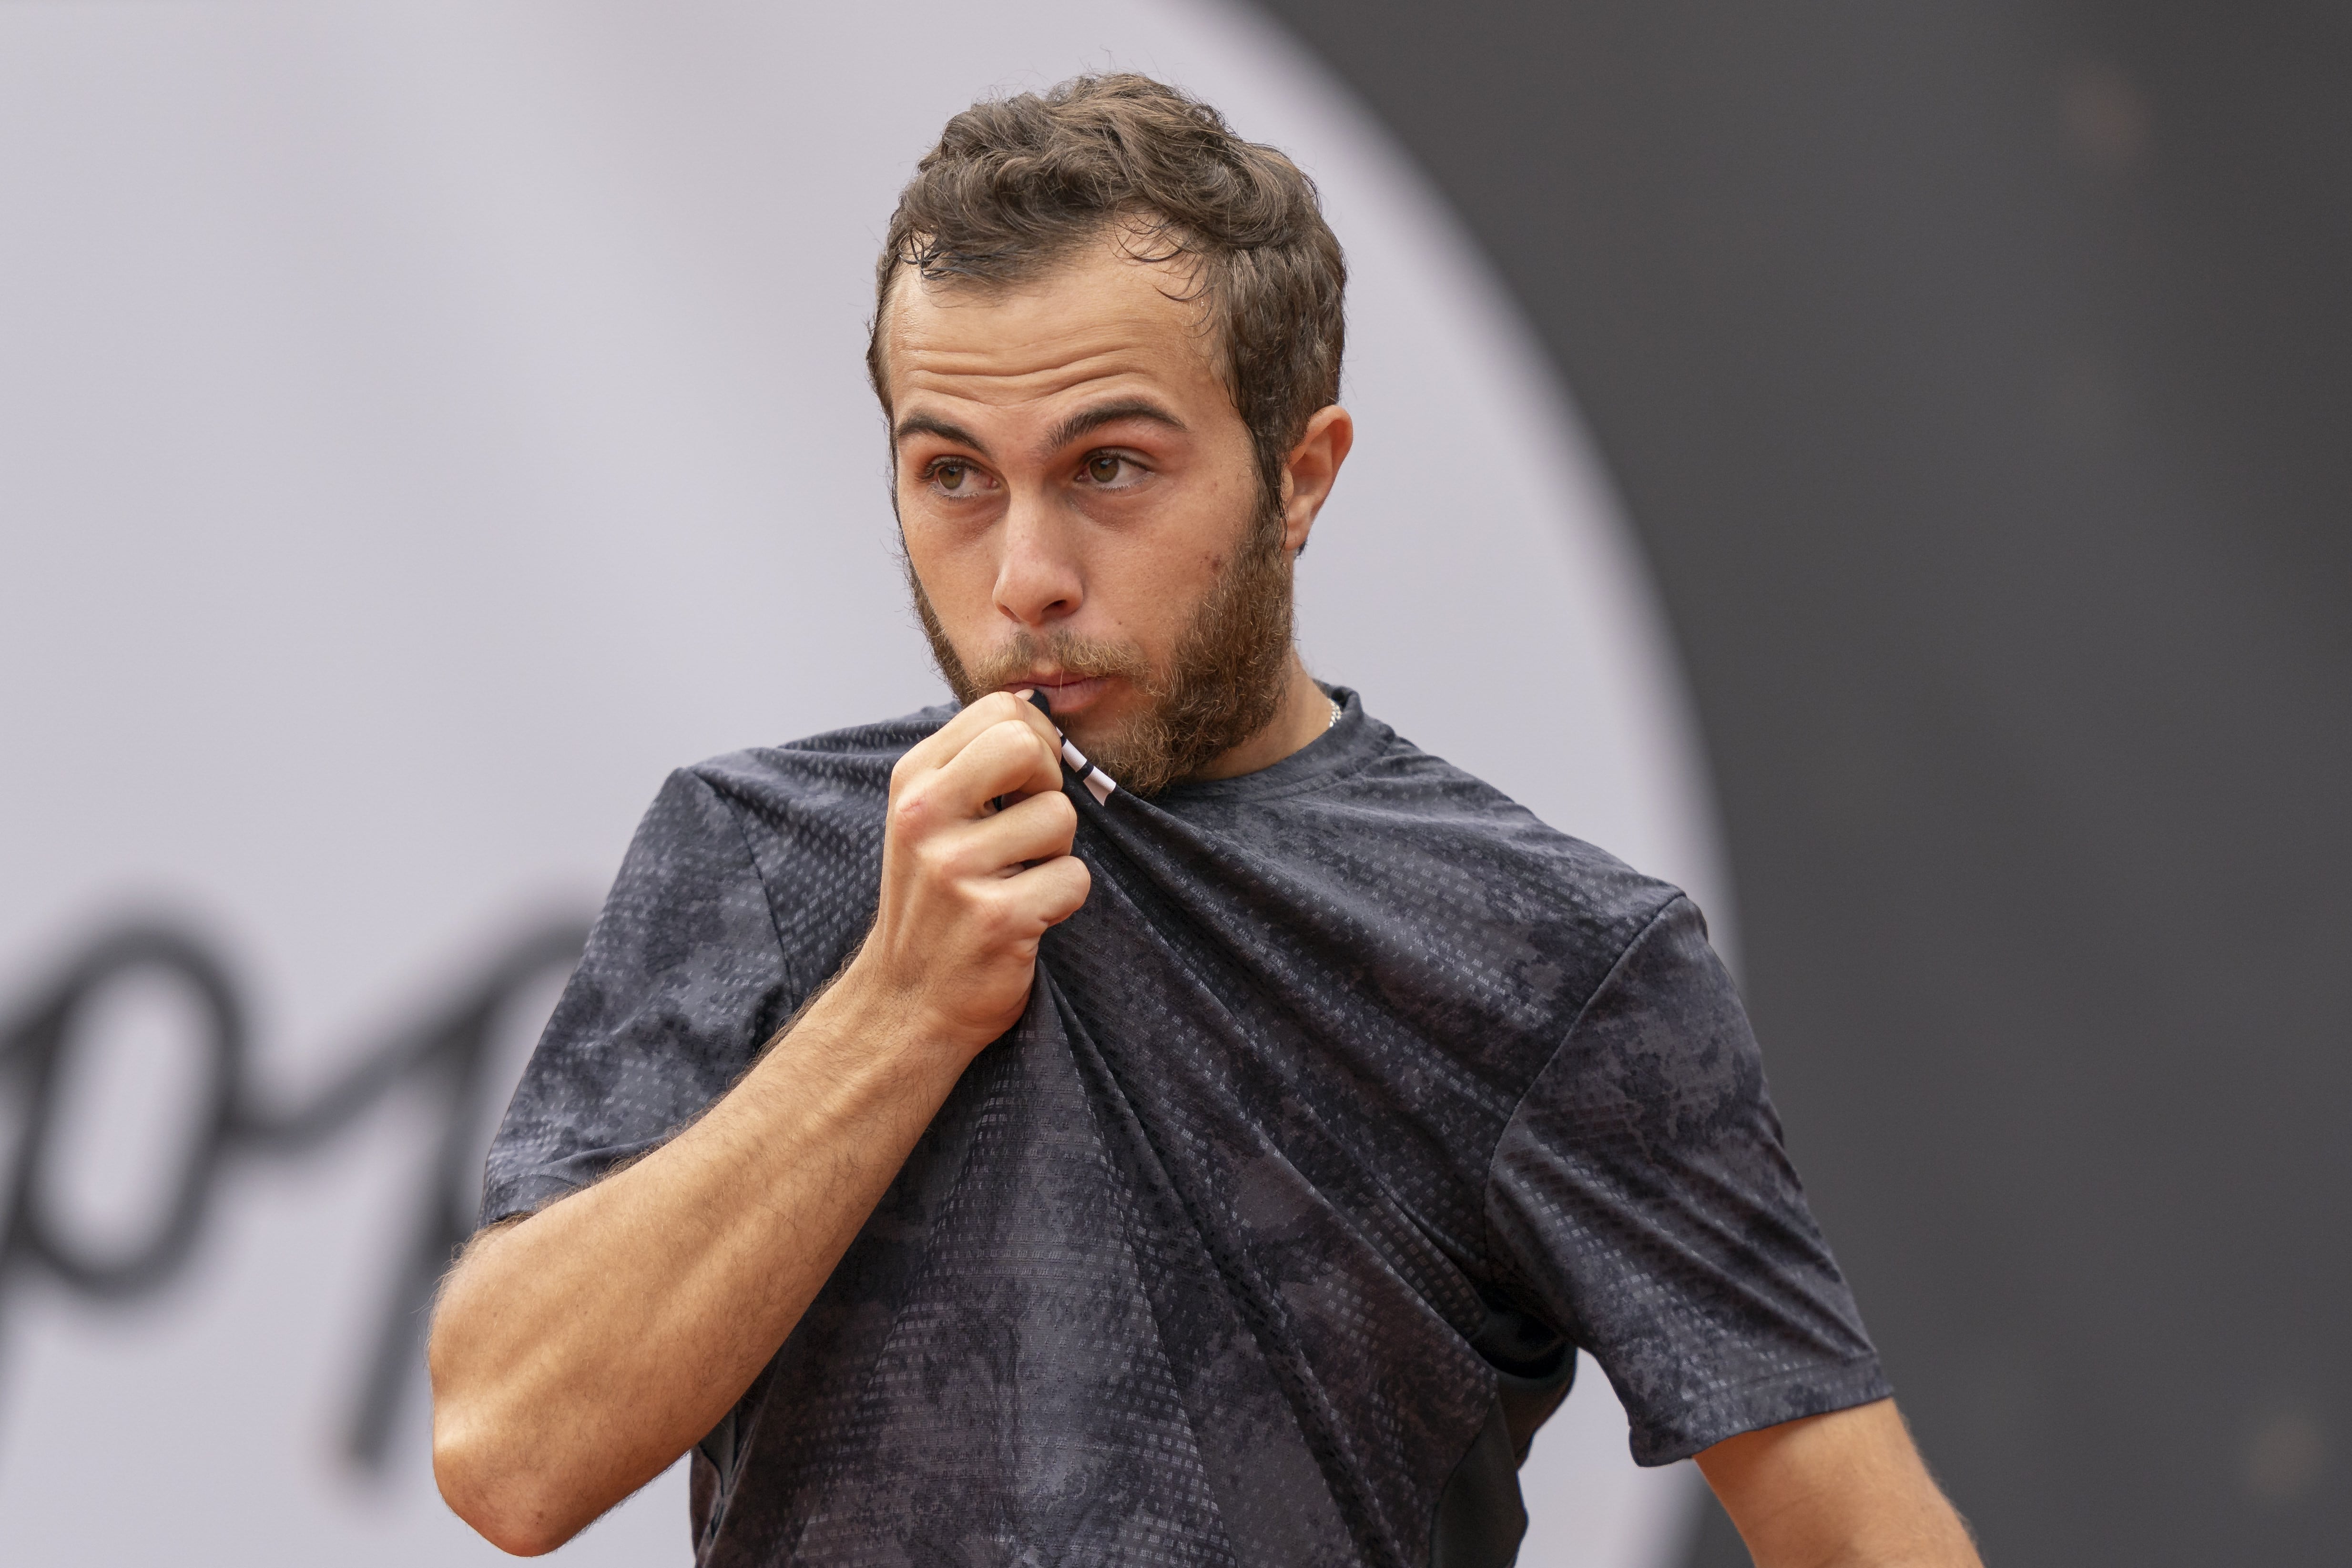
(1981, 380)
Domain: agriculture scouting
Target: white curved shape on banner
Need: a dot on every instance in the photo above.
(423, 425)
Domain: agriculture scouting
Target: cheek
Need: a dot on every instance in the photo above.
(1150, 585)
(958, 575)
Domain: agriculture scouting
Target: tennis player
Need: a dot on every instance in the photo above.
(1145, 1111)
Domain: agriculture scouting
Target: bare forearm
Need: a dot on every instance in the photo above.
(578, 1353)
(1941, 1541)
(1843, 1490)
(575, 1355)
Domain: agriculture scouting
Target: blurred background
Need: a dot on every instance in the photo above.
(1884, 469)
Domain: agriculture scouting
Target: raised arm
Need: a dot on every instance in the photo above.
(576, 1353)
(1842, 1490)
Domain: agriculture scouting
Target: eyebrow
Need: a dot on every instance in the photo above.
(925, 425)
(1061, 436)
(1112, 413)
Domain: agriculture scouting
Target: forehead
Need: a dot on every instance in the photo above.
(1100, 321)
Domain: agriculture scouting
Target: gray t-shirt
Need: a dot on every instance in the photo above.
(1353, 1102)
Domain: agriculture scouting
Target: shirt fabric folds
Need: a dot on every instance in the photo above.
(1353, 1102)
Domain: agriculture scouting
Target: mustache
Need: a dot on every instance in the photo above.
(1220, 684)
(1058, 653)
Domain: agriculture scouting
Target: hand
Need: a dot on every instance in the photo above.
(577, 1353)
(976, 866)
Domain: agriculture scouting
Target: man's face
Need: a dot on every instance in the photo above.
(1082, 511)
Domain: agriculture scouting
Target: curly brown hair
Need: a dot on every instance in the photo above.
(1017, 184)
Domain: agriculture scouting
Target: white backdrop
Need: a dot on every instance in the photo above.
(421, 426)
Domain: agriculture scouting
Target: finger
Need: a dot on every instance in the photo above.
(1008, 758)
(1053, 891)
(941, 744)
(1036, 717)
(1040, 896)
(940, 747)
(1038, 720)
(1040, 827)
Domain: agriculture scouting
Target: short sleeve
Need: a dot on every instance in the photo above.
(682, 981)
(1641, 1204)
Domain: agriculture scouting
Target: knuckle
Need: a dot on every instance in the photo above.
(914, 807)
(933, 862)
(999, 919)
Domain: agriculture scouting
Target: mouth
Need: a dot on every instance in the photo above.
(1069, 694)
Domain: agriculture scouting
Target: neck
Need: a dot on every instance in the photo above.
(1304, 715)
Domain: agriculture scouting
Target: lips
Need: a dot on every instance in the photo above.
(1070, 695)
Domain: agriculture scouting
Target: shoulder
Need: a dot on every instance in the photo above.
(811, 807)
(761, 857)
(1453, 899)
(841, 775)
(1441, 827)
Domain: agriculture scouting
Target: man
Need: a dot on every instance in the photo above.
(1207, 1142)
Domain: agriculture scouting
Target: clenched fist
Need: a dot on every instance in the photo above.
(976, 865)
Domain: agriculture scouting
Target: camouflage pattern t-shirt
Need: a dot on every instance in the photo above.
(1353, 1102)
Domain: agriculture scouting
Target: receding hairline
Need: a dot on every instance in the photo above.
(1038, 270)
(1016, 183)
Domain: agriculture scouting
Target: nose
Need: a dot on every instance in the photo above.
(1039, 580)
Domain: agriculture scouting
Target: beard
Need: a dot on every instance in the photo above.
(1221, 686)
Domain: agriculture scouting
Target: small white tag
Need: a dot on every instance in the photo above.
(1098, 784)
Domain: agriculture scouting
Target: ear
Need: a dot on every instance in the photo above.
(1310, 471)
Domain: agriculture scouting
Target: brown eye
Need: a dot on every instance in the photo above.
(948, 476)
(1102, 468)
